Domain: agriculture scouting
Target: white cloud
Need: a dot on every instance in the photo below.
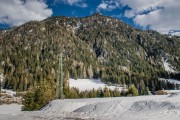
(108, 5)
(17, 12)
(71, 2)
(176, 33)
(160, 15)
(79, 3)
(103, 6)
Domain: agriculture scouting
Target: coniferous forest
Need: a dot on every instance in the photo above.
(93, 47)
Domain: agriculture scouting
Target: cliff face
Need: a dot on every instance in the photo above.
(94, 46)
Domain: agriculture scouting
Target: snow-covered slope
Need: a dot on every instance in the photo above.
(168, 67)
(174, 81)
(164, 107)
(89, 84)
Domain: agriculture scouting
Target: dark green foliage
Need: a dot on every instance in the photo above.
(106, 92)
(29, 102)
(38, 96)
(132, 90)
(145, 91)
(116, 93)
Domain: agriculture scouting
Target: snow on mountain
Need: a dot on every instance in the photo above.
(174, 81)
(2, 79)
(89, 84)
(168, 67)
(76, 27)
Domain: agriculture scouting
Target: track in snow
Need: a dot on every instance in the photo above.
(166, 107)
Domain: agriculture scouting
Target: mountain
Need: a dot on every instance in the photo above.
(96, 46)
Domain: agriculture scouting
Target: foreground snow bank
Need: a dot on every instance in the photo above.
(89, 84)
(164, 107)
(10, 109)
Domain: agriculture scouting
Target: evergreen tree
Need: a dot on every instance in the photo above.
(106, 92)
(145, 91)
(100, 92)
(132, 90)
(116, 92)
(38, 96)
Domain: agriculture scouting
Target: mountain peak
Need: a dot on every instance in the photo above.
(97, 14)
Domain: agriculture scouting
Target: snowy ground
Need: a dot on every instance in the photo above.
(164, 107)
(9, 92)
(11, 109)
(89, 84)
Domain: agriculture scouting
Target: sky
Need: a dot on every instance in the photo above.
(160, 15)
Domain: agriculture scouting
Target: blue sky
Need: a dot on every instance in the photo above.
(160, 15)
(64, 8)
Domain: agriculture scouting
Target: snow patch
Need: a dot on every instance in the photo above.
(2, 79)
(168, 67)
(43, 28)
(89, 84)
(57, 22)
(9, 92)
(124, 68)
(30, 30)
(108, 19)
(77, 27)
(173, 81)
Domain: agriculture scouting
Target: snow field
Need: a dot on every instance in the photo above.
(155, 107)
(89, 84)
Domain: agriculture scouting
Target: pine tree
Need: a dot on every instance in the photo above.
(100, 92)
(145, 91)
(132, 90)
(106, 92)
(116, 92)
(28, 102)
(141, 87)
(75, 74)
(38, 96)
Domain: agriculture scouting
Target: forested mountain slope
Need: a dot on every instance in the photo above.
(93, 47)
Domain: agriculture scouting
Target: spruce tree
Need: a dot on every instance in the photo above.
(132, 90)
(106, 92)
(38, 96)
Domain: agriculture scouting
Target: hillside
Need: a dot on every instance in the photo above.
(96, 46)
